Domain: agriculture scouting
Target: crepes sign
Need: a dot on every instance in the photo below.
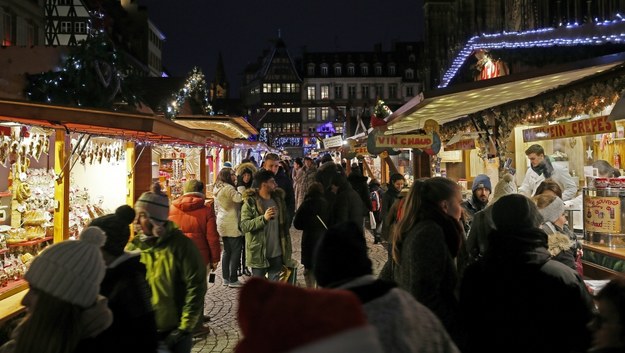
(421, 141)
(592, 126)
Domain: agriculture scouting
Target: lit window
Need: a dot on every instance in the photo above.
(266, 87)
(325, 92)
(311, 114)
(324, 113)
(310, 92)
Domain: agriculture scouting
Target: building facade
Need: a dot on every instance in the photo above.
(21, 22)
(271, 95)
(341, 89)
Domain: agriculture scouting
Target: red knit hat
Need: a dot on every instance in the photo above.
(276, 317)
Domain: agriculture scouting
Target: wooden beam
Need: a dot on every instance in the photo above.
(203, 177)
(61, 187)
(131, 155)
(367, 169)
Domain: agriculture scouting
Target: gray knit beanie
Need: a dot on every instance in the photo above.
(553, 211)
(71, 270)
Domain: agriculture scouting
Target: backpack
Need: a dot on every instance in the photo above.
(376, 201)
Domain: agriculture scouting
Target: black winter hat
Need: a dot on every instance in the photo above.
(516, 212)
(116, 227)
(341, 255)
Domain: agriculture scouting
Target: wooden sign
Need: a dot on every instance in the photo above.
(592, 126)
(334, 141)
(602, 214)
(461, 145)
(421, 141)
(360, 150)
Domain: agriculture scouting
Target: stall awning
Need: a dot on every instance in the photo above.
(234, 127)
(449, 104)
(100, 122)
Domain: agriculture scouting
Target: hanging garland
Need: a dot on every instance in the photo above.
(591, 98)
(195, 84)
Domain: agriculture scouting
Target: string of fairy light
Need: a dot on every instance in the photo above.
(596, 33)
(195, 83)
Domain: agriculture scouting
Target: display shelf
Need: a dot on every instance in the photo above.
(30, 242)
(12, 300)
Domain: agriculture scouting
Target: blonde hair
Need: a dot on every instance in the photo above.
(543, 200)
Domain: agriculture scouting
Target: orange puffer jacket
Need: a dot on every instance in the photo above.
(198, 222)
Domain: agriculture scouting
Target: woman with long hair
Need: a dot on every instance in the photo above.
(228, 207)
(426, 240)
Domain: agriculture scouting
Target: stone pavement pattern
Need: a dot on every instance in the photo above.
(221, 301)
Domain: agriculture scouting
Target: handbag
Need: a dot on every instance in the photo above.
(288, 275)
(372, 223)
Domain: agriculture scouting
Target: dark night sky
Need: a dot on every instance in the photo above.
(197, 30)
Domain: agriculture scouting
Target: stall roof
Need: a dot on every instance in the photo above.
(235, 127)
(99, 122)
(448, 104)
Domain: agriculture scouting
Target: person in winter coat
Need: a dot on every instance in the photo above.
(403, 324)
(127, 290)
(283, 181)
(245, 178)
(310, 170)
(197, 220)
(392, 194)
(228, 206)
(299, 181)
(483, 225)
(175, 270)
(264, 221)
(480, 192)
(63, 308)
(376, 208)
(359, 184)
(516, 291)
(562, 244)
(348, 205)
(608, 325)
(426, 240)
(312, 218)
(541, 169)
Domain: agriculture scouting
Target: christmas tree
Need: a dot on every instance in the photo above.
(93, 75)
(380, 112)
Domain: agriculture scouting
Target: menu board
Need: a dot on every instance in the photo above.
(602, 214)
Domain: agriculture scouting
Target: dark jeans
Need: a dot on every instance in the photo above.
(231, 257)
(273, 271)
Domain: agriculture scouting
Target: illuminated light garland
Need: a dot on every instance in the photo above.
(195, 82)
(569, 35)
(288, 142)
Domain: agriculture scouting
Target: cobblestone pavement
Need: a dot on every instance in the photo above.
(221, 302)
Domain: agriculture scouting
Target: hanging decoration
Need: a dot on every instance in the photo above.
(194, 85)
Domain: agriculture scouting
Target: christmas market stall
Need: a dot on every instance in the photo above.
(62, 166)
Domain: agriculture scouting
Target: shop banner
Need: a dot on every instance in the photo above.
(602, 214)
(334, 141)
(592, 126)
(461, 145)
(421, 141)
(360, 150)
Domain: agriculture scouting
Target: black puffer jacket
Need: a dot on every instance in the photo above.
(516, 299)
(348, 206)
(313, 229)
(359, 184)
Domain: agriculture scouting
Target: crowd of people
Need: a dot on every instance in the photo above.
(494, 273)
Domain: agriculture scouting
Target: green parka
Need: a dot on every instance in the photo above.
(177, 276)
(253, 225)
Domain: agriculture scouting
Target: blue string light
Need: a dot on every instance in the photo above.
(570, 35)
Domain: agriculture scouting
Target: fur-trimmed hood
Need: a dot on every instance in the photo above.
(558, 243)
(248, 165)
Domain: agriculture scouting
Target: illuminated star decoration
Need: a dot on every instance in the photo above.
(589, 152)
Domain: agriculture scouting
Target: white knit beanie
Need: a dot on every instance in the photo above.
(71, 270)
(505, 186)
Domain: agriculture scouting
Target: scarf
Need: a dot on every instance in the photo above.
(544, 167)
